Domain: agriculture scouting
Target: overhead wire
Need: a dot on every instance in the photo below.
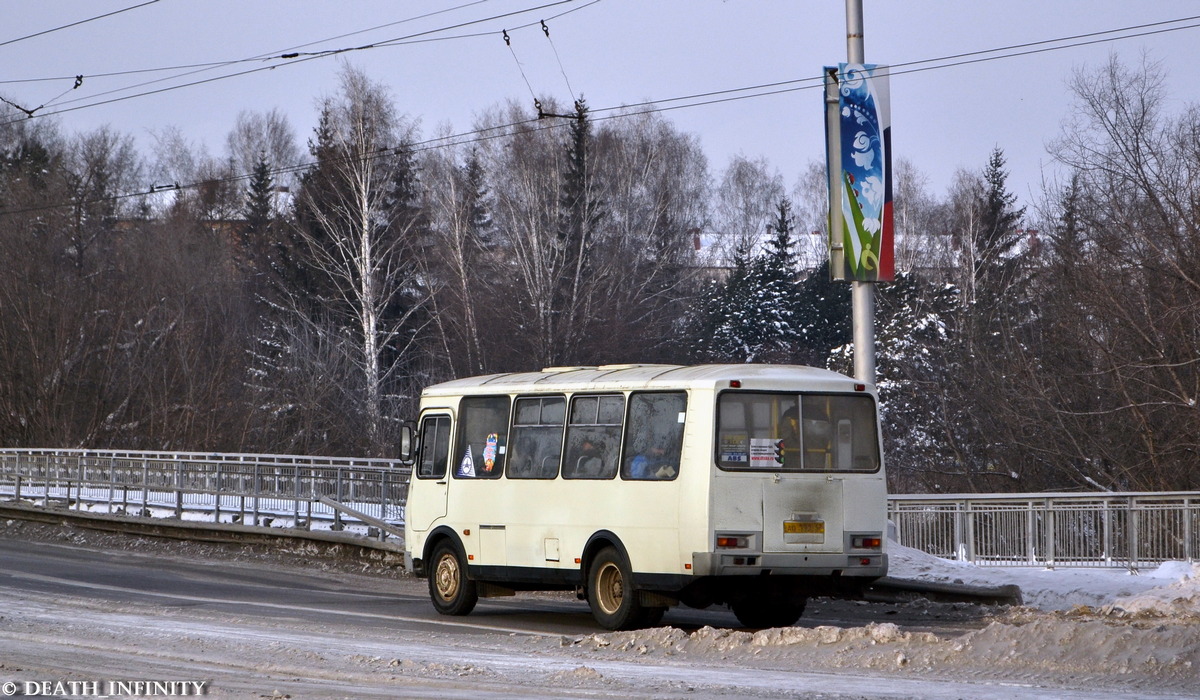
(718, 96)
(294, 57)
(230, 62)
(76, 24)
(546, 31)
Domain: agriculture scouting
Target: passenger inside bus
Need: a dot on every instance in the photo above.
(654, 464)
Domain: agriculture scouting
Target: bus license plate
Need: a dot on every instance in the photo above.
(803, 527)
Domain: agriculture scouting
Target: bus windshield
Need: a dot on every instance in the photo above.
(797, 432)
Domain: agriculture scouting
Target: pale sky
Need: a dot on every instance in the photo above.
(615, 52)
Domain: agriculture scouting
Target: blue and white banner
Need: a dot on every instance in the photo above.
(866, 173)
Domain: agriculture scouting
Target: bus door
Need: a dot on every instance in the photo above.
(427, 502)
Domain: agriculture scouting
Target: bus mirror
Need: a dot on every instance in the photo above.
(408, 442)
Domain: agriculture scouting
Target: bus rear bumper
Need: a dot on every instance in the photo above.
(866, 565)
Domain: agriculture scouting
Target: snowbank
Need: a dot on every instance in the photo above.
(1173, 588)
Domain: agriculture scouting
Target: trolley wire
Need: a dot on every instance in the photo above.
(291, 56)
(693, 100)
(75, 24)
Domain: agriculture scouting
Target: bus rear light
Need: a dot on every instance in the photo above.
(732, 542)
(735, 384)
(860, 387)
(866, 542)
(865, 561)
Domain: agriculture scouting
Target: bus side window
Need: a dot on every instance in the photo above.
(435, 447)
(654, 438)
(537, 437)
(594, 437)
(482, 437)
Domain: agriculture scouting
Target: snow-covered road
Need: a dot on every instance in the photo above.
(1139, 638)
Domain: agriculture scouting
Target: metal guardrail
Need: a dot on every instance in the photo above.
(248, 489)
(1128, 530)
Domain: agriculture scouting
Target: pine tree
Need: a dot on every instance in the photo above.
(997, 254)
(259, 213)
(781, 245)
(823, 317)
(752, 317)
(579, 213)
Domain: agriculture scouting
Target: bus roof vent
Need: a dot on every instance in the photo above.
(552, 370)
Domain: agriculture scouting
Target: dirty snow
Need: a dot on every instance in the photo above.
(1171, 588)
(1082, 633)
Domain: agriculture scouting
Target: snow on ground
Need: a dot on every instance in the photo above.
(1083, 633)
(1173, 588)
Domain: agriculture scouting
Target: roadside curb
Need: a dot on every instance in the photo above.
(169, 528)
(890, 590)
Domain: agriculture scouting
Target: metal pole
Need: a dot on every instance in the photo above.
(833, 137)
(862, 293)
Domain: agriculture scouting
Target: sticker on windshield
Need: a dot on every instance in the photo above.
(467, 466)
(766, 453)
(733, 449)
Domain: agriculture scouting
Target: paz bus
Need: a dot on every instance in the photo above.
(642, 487)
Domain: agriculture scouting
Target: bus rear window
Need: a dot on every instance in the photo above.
(797, 432)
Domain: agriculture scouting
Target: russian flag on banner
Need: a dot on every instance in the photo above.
(866, 178)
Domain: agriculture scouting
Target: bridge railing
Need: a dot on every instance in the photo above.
(1129, 530)
(249, 489)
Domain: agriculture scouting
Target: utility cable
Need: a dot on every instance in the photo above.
(76, 24)
(546, 31)
(719, 96)
(296, 57)
(520, 68)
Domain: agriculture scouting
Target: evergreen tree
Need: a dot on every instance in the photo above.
(824, 320)
(998, 256)
(258, 209)
(579, 212)
(752, 316)
(475, 201)
(294, 275)
(914, 318)
(259, 213)
(781, 245)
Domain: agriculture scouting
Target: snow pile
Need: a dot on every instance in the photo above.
(1045, 589)
(708, 640)
(1178, 597)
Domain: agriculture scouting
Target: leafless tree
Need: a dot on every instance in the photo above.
(1125, 251)
(745, 200)
(360, 240)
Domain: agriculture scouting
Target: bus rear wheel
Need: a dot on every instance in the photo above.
(611, 596)
(450, 590)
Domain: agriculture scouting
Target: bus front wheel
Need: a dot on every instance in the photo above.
(611, 596)
(450, 590)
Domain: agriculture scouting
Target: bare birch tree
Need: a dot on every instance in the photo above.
(358, 238)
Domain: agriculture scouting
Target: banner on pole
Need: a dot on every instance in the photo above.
(861, 236)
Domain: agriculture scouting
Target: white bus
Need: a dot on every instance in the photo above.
(646, 486)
